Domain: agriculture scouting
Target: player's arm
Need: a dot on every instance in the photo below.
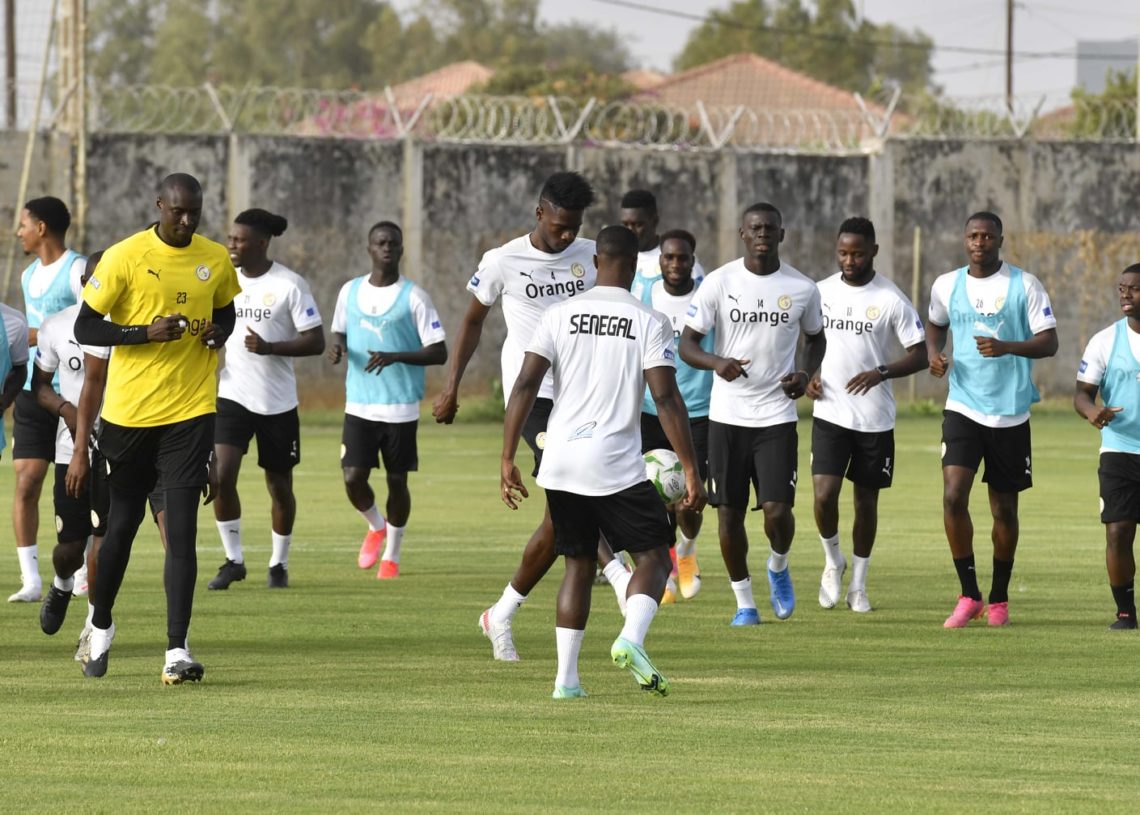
(662, 382)
(49, 400)
(519, 405)
(1084, 401)
(92, 329)
(795, 384)
(915, 360)
(338, 348)
(936, 336)
(222, 322)
(90, 402)
(309, 343)
(446, 405)
(13, 384)
(434, 354)
(1041, 345)
(726, 368)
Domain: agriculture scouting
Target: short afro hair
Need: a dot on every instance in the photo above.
(680, 235)
(986, 215)
(262, 221)
(51, 212)
(567, 190)
(858, 226)
(640, 199)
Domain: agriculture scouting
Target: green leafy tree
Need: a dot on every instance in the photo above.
(576, 80)
(1107, 115)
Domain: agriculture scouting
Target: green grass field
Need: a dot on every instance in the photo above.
(347, 694)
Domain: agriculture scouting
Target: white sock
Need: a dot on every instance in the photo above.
(29, 564)
(374, 518)
(101, 640)
(392, 543)
(619, 577)
(230, 532)
(569, 642)
(859, 573)
(504, 610)
(90, 614)
(280, 554)
(687, 547)
(743, 591)
(63, 584)
(831, 551)
(776, 561)
(639, 612)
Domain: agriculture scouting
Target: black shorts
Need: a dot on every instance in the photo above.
(169, 456)
(865, 458)
(763, 457)
(363, 443)
(1119, 475)
(633, 520)
(72, 515)
(653, 438)
(278, 435)
(1007, 451)
(534, 429)
(33, 429)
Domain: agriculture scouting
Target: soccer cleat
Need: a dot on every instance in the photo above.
(967, 609)
(669, 597)
(857, 601)
(782, 593)
(1125, 621)
(100, 648)
(54, 610)
(278, 577)
(502, 643)
(180, 667)
(746, 616)
(633, 657)
(389, 570)
(228, 573)
(27, 594)
(673, 557)
(83, 647)
(563, 692)
(997, 614)
(689, 574)
(830, 585)
(80, 589)
(370, 549)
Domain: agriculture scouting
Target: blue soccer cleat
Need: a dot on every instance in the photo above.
(783, 595)
(563, 692)
(746, 616)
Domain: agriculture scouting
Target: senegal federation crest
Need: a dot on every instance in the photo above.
(269, 299)
(578, 270)
(785, 302)
(203, 273)
(999, 303)
(540, 439)
(873, 312)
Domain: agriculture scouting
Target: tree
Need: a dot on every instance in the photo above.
(831, 44)
(575, 79)
(1107, 115)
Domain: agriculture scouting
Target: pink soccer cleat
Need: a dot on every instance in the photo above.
(967, 609)
(997, 614)
(389, 570)
(370, 549)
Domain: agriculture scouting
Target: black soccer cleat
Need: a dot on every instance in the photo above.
(228, 573)
(54, 610)
(96, 667)
(1125, 621)
(278, 577)
(182, 670)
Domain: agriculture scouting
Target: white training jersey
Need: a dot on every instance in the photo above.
(758, 318)
(375, 300)
(987, 296)
(1094, 362)
(58, 350)
(861, 323)
(16, 327)
(530, 281)
(277, 306)
(649, 271)
(599, 345)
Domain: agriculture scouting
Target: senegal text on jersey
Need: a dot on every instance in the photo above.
(602, 324)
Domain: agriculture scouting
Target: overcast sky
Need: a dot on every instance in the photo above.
(1039, 25)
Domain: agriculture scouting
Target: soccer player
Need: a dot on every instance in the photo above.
(639, 215)
(50, 283)
(758, 306)
(1000, 320)
(389, 330)
(671, 295)
(277, 319)
(852, 431)
(168, 294)
(530, 273)
(13, 360)
(1111, 365)
(604, 346)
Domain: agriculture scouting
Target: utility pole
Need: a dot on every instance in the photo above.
(1009, 55)
(10, 63)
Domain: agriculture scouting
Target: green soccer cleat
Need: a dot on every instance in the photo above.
(627, 655)
(563, 692)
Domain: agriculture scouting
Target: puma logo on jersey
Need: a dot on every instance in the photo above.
(375, 329)
(529, 275)
(153, 272)
(985, 329)
(733, 298)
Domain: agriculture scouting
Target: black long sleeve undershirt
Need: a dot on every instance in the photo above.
(92, 329)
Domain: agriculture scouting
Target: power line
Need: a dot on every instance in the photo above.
(838, 38)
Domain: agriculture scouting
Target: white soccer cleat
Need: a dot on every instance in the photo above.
(502, 643)
(80, 589)
(857, 601)
(83, 647)
(831, 585)
(27, 594)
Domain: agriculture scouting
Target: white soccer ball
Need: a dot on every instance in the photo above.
(664, 471)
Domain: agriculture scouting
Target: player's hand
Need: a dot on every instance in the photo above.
(939, 365)
(861, 383)
(513, 489)
(991, 347)
(695, 496)
(794, 384)
(255, 344)
(210, 488)
(814, 388)
(729, 369)
(77, 472)
(378, 361)
(445, 406)
(167, 329)
(213, 337)
(1103, 416)
(334, 353)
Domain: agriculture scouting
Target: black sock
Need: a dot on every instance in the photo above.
(181, 569)
(999, 588)
(1125, 599)
(968, 577)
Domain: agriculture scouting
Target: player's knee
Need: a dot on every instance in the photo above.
(777, 511)
(955, 499)
(397, 483)
(866, 503)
